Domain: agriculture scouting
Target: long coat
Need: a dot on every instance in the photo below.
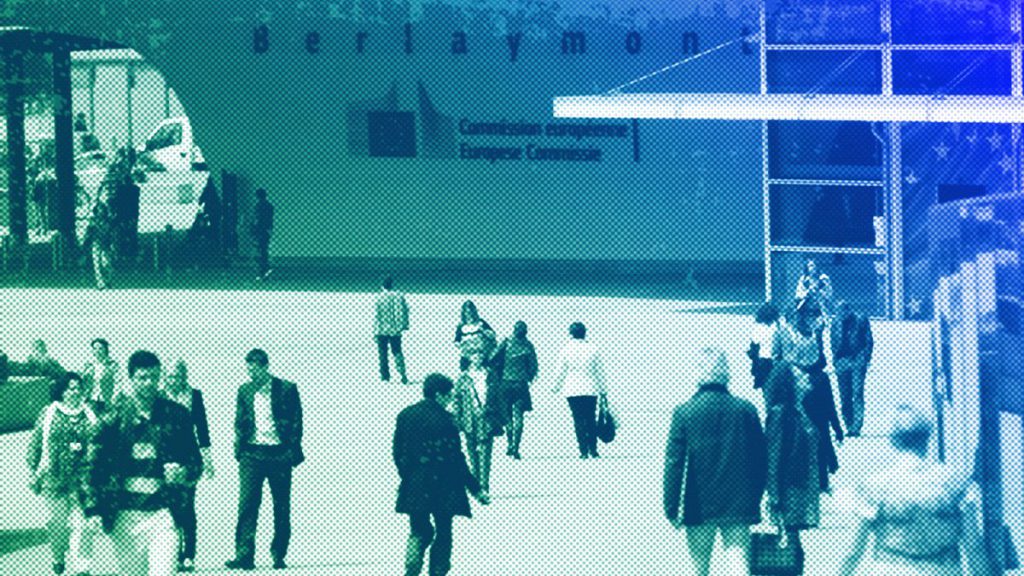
(794, 483)
(287, 411)
(478, 418)
(716, 457)
(428, 454)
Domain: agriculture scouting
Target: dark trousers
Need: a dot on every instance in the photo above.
(395, 342)
(851, 395)
(253, 469)
(262, 253)
(423, 535)
(184, 512)
(584, 419)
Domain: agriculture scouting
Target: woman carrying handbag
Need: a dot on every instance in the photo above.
(580, 379)
(794, 487)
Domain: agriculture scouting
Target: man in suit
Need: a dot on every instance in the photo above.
(144, 453)
(434, 476)
(268, 445)
(716, 465)
(852, 345)
(262, 228)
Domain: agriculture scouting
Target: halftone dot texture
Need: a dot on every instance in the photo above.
(417, 138)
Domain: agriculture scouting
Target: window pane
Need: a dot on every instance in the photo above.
(857, 278)
(831, 72)
(834, 216)
(982, 72)
(805, 22)
(824, 150)
(951, 22)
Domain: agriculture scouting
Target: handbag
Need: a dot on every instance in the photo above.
(605, 424)
(772, 554)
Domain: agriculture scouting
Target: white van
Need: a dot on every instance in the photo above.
(170, 171)
(170, 145)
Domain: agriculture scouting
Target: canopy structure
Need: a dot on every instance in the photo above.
(837, 107)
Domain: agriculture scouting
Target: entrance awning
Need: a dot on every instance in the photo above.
(839, 107)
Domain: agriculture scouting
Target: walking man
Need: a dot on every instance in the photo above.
(852, 345)
(434, 476)
(390, 320)
(102, 374)
(268, 445)
(99, 236)
(145, 451)
(716, 465)
(262, 228)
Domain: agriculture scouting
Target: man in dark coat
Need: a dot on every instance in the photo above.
(434, 476)
(268, 445)
(715, 468)
(852, 345)
(262, 228)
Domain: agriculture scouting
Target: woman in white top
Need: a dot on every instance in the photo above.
(58, 459)
(581, 381)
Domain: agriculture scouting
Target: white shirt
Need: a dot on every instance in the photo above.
(479, 380)
(764, 336)
(266, 430)
(580, 371)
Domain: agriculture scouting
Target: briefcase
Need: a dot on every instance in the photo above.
(773, 554)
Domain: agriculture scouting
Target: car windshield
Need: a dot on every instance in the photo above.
(168, 135)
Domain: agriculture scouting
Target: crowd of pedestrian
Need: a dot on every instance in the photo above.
(123, 454)
(726, 472)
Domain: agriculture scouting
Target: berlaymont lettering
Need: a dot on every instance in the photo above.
(572, 42)
(380, 128)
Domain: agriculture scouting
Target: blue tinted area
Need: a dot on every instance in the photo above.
(824, 150)
(951, 22)
(833, 216)
(833, 72)
(981, 72)
(942, 155)
(808, 22)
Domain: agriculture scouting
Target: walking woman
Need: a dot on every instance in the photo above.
(800, 343)
(177, 389)
(580, 379)
(518, 361)
(58, 459)
(794, 487)
(473, 333)
(478, 416)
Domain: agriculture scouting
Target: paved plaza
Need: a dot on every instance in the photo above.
(552, 513)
